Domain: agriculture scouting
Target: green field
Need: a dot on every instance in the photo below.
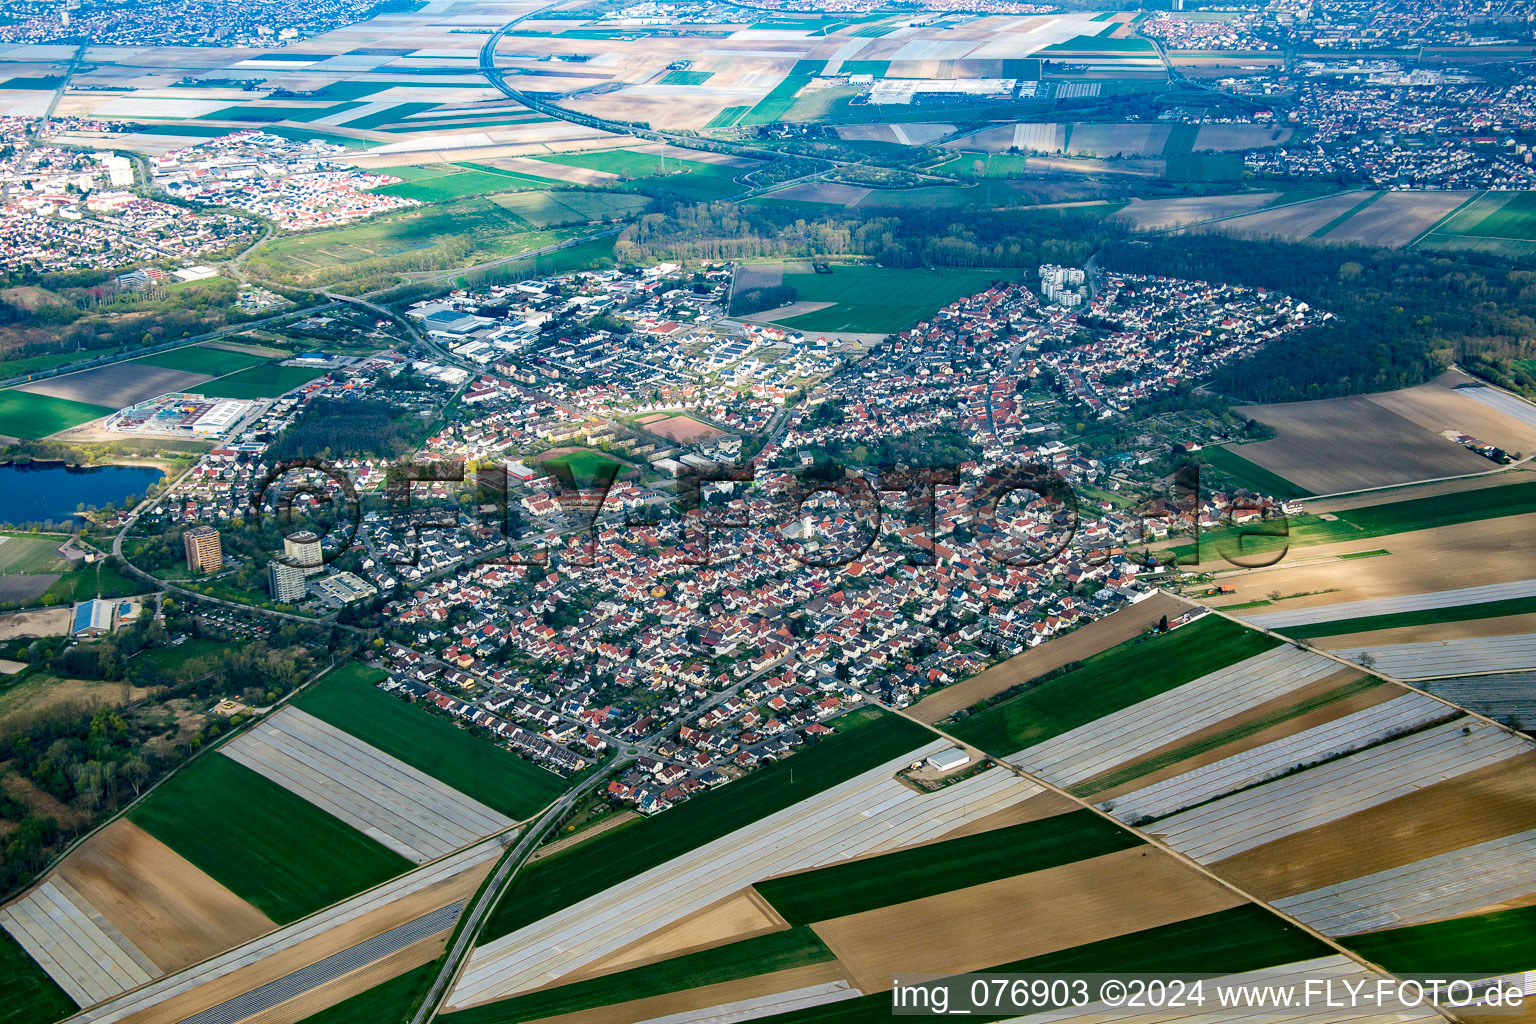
(551, 209)
(1485, 944)
(652, 173)
(389, 1003)
(280, 853)
(455, 183)
(774, 106)
(267, 381)
(202, 359)
(686, 77)
(88, 581)
(983, 165)
(1243, 473)
(390, 115)
(1503, 223)
(883, 299)
(31, 996)
(1371, 521)
(1110, 681)
(25, 415)
(864, 740)
(348, 699)
(31, 364)
(172, 658)
(1423, 617)
(1100, 44)
(877, 68)
(764, 954)
(727, 117)
(857, 886)
(20, 553)
(1245, 938)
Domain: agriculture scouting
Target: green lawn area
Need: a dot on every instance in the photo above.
(266, 381)
(883, 299)
(1245, 938)
(865, 739)
(1109, 681)
(857, 886)
(348, 699)
(389, 1003)
(1485, 944)
(1371, 521)
(764, 954)
(1423, 617)
(202, 359)
(25, 415)
(282, 854)
(652, 173)
(31, 996)
(172, 658)
(584, 464)
(686, 77)
(22, 553)
(88, 581)
(1243, 473)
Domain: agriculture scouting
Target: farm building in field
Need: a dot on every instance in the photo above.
(948, 760)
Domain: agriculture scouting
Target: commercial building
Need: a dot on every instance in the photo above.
(285, 583)
(342, 588)
(204, 551)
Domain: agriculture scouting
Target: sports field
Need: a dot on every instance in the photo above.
(1229, 460)
(348, 699)
(20, 553)
(776, 951)
(25, 415)
(1115, 679)
(266, 381)
(583, 463)
(865, 739)
(883, 299)
(856, 886)
(273, 849)
(201, 359)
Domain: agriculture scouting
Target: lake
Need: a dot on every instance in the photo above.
(36, 492)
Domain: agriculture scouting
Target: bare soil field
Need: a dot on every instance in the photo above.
(117, 385)
(683, 429)
(1075, 646)
(1443, 558)
(755, 275)
(740, 915)
(1297, 220)
(1156, 214)
(1507, 625)
(1023, 916)
(166, 906)
(1397, 218)
(178, 1007)
(1498, 800)
(1443, 404)
(1309, 447)
(19, 589)
(705, 996)
(830, 192)
(1338, 709)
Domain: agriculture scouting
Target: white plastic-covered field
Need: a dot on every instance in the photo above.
(1446, 885)
(1292, 978)
(1251, 767)
(1460, 657)
(867, 813)
(1318, 795)
(1504, 402)
(79, 948)
(408, 811)
(1392, 605)
(1141, 728)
